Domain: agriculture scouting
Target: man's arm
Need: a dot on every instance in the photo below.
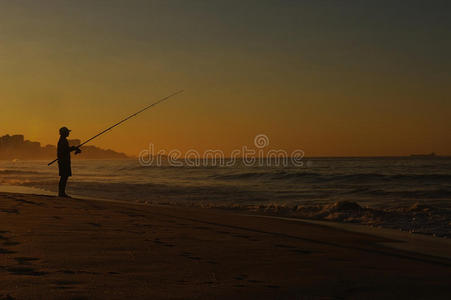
(76, 149)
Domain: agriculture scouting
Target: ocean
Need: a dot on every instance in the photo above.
(411, 194)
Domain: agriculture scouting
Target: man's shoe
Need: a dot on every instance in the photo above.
(64, 195)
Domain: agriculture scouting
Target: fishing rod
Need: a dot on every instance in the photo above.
(122, 121)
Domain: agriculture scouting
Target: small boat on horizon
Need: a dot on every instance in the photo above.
(430, 155)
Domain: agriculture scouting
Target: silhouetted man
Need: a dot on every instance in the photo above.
(64, 151)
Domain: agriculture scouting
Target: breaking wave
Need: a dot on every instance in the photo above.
(369, 191)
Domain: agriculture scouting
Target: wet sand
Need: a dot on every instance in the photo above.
(56, 248)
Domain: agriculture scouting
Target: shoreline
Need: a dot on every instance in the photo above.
(53, 248)
(414, 242)
(379, 230)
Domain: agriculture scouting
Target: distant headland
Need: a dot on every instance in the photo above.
(16, 147)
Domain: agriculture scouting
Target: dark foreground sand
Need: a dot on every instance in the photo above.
(82, 249)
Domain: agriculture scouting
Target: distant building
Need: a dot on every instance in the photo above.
(17, 139)
(16, 147)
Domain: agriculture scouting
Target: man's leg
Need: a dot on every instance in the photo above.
(62, 186)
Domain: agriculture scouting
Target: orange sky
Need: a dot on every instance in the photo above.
(333, 80)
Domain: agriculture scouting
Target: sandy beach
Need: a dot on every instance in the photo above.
(57, 248)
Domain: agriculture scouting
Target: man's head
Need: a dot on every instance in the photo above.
(64, 131)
